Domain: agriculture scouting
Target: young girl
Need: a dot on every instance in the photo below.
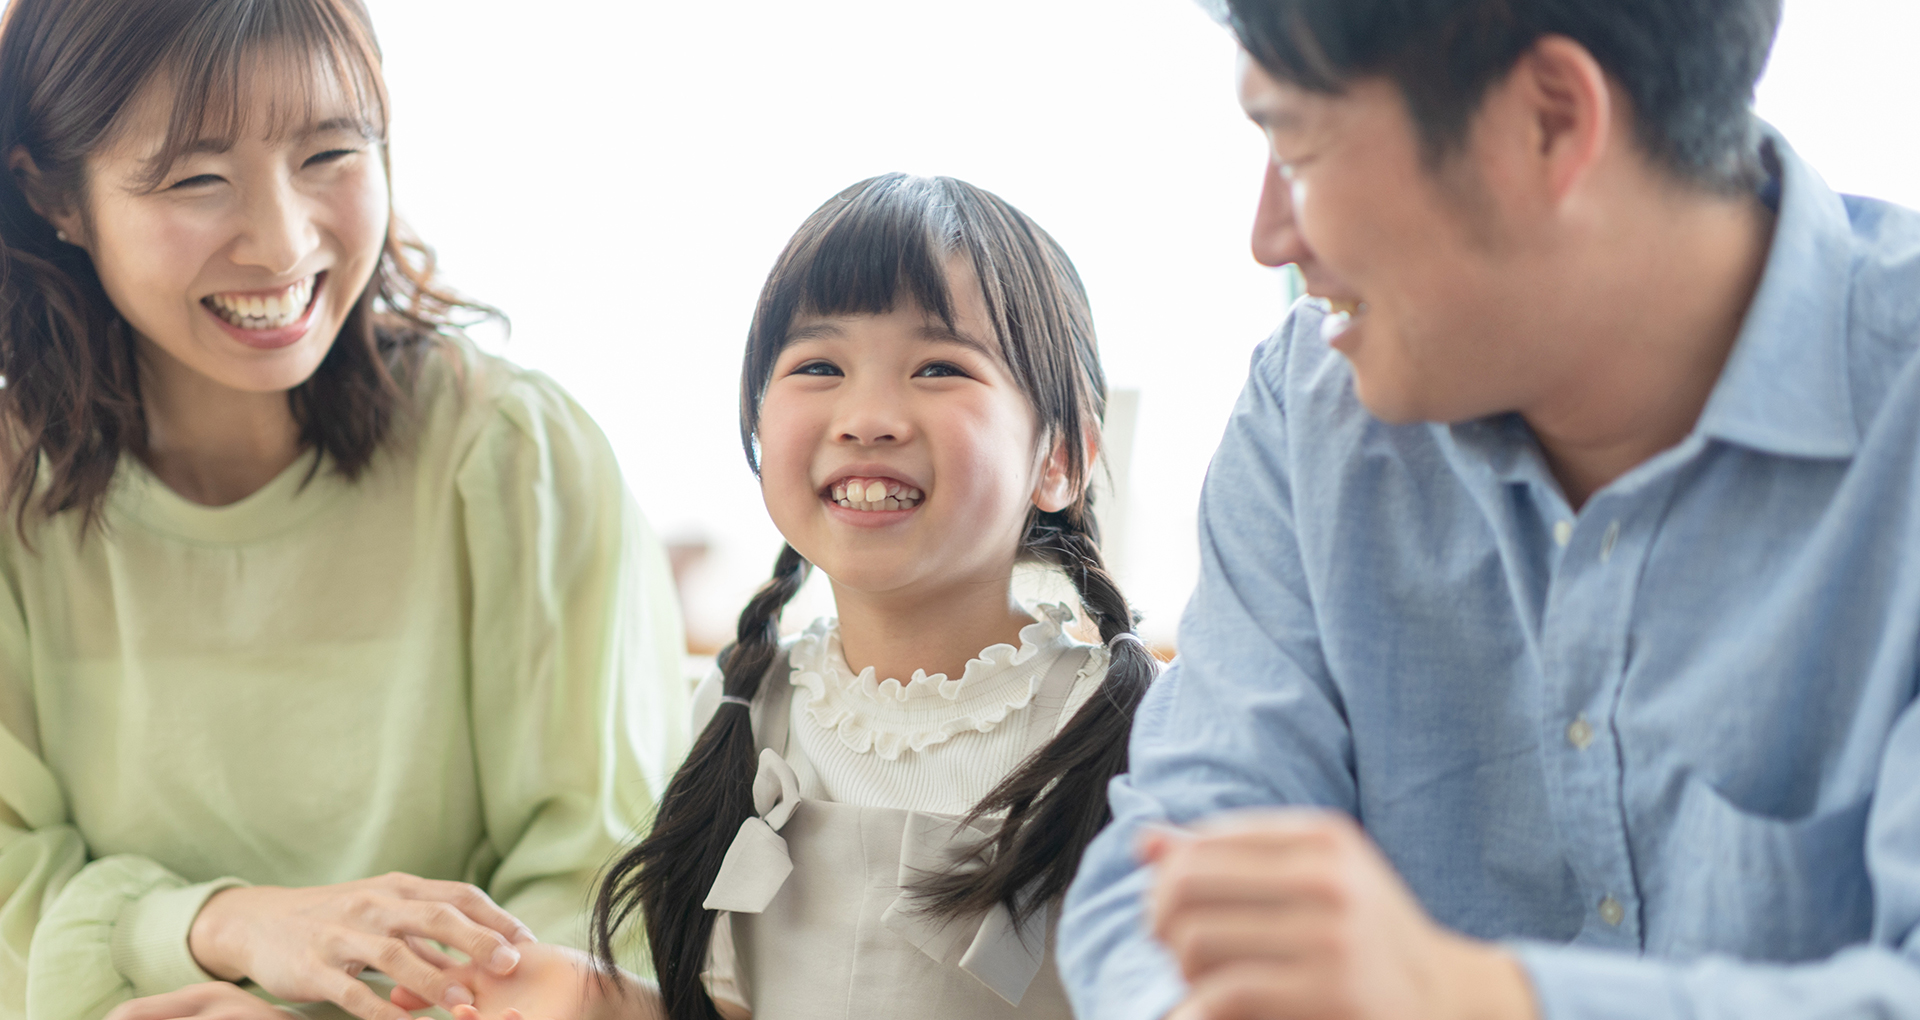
(886, 811)
(322, 633)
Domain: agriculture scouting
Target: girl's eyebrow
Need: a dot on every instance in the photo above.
(938, 334)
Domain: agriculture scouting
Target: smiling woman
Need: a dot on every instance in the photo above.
(300, 588)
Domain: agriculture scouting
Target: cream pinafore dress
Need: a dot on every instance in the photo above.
(820, 928)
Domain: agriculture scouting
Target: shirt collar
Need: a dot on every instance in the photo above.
(1785, 389)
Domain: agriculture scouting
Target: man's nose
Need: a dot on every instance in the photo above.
(1276, 236)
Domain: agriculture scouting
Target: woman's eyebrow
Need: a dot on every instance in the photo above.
(353, 125)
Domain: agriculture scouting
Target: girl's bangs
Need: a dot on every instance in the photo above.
(884, 243)
(311, 58)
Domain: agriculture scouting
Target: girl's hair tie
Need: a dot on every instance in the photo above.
(1126, 635)
(728, 699)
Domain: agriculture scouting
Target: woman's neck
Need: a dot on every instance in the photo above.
(209, 443)
(938, 632)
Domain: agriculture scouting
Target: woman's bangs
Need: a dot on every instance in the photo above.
(314, 60)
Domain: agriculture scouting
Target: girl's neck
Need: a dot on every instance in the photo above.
(937, 632)
(209, 443)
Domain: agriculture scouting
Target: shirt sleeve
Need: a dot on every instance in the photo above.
(1878, 979)
(76, 937)
(579, 699)
(1248, 639)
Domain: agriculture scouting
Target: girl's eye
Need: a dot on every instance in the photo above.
(196, 181)
(818, 368)
(942, 370)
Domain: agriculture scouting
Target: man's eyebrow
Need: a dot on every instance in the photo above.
(1275, 120)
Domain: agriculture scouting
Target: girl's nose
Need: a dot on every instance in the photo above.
(1276, 235)
(279, 231)
(871, 415)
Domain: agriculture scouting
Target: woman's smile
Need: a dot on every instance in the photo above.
(268, 319)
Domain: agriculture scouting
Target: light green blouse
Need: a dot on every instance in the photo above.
(465, 665)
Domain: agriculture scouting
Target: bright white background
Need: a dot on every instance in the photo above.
(619, 175)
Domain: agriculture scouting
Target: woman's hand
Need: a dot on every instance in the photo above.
(310, 945)
(214, 1000)
(553, 983)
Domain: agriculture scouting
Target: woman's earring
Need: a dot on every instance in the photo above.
(62, 235)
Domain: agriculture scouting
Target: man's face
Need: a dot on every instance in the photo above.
(1422, 257)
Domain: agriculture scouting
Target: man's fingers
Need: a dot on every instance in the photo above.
(1241, 877)
(1205, 940)
(1256, 991)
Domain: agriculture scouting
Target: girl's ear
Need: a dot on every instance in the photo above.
(1057, 488)
(26, 174)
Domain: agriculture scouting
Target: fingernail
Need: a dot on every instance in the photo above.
(525, 934)
(457, 995)
(505, 959)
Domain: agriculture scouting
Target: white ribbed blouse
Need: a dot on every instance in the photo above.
(927, 744)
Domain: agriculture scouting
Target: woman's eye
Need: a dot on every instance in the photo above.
(330, 156)
(941, 370)
(818, 368)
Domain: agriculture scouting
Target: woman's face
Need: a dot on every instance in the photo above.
(245, 259)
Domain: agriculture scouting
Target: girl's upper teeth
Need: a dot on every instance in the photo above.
(875, 494)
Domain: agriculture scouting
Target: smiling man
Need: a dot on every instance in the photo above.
(1557, 640)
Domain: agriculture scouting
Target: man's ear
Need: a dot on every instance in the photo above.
(1571, 110)
(1058, 488)
(54, 209)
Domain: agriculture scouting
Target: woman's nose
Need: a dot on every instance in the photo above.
(1276, 235)
(279, 231)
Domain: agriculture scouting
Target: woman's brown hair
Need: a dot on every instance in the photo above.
(71, 391)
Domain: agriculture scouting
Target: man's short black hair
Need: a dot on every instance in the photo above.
(1689, 66)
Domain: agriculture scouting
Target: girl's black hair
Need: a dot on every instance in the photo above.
(885, 240)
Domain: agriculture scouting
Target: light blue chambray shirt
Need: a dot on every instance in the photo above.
(1667, 746)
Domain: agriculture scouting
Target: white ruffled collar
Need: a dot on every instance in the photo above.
(884, 717)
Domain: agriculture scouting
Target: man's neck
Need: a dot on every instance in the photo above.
(209, 443)
(1670, 293)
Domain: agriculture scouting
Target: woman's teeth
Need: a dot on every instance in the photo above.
(264, 311)
(875, 494)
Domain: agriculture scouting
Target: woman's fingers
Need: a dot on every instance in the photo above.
(396, 959)
(352, 995)
(212, 1000)
(469, 900)
(431, 953)
(450, 924)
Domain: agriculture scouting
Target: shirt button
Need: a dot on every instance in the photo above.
(1579, 733)
(1562, 533)
(1612, 912)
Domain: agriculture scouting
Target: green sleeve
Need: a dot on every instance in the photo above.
(76, 938)
(579, 699)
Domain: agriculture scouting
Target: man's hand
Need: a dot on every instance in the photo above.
(310, 945)
(214, 1000)
(1290, 914)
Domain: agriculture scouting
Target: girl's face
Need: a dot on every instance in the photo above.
(899, 456)
(246, 259)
